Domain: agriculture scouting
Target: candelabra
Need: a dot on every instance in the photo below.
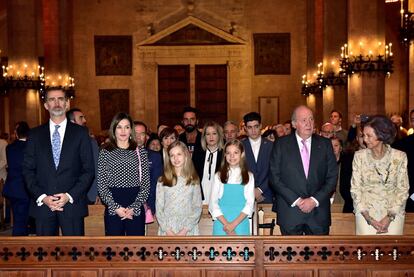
(25, 77)
(407, 27)
(370, 63)
(33, 76)
(322, 80)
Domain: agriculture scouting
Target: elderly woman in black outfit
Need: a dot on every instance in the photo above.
(123, 180)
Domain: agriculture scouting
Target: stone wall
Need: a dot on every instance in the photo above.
(112, 17)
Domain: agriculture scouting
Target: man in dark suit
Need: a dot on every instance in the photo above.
(303, 174)
(407, 145)
(14, 188)
(75, 115)
(258, 151)
(58, 171)
(154, 162)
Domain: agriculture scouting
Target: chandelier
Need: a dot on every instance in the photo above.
(31, 75)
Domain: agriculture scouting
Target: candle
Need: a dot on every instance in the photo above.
(402, 12)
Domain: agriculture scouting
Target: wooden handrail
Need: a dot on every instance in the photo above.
(207, 256)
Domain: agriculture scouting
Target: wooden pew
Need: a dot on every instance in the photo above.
(250, 256)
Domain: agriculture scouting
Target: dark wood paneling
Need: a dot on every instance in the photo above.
(229, 273)
(393, 273)
(127, 273)
(341, 273)
(74, 273)
(257, 256)
(22, 273)
(289, 273)
(173, 92)
(211, 92)
(177, 273)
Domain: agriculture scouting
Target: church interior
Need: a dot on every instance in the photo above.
(151, 58)
(224, 57)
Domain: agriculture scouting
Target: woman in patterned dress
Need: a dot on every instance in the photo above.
(178, 198)
(123, 180)
(379, 185)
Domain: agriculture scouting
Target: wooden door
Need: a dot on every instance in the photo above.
(173, 93)
(211, 92)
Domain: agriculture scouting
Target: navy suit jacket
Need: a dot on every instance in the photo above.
(73, 175)
(14, 186)
(288, 180)
(260, 169)
(156, 170)
(407, 145)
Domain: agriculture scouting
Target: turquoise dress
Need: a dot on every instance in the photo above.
(231, 204)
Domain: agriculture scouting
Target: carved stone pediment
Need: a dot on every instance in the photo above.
(191, 31)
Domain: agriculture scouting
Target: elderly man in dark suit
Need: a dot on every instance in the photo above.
(303, 173)
(258, 151)
(58, 170)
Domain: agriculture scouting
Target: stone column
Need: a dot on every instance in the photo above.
(366, 94)
(149, 69)
(411, 67)
(335, 35)
(24, 47)
(56, 39)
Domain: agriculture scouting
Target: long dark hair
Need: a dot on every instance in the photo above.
(225, 167)
(111, 132)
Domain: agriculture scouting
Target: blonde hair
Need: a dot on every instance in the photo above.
(219, 129)
(169, 178)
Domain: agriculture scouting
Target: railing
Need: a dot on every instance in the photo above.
(207, 256)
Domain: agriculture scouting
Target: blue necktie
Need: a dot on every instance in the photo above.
(56, 146)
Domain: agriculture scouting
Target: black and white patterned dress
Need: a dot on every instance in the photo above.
(119, 181)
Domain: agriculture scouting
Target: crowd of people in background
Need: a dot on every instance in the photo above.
(54, 171)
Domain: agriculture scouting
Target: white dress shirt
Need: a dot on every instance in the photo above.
(208, 181)
(255, 144)
(61, 130)
(218, 189)
(308, 143)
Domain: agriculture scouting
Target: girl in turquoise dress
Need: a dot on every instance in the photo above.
(232, 196)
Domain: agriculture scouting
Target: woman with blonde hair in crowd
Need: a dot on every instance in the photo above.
(207, 159)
